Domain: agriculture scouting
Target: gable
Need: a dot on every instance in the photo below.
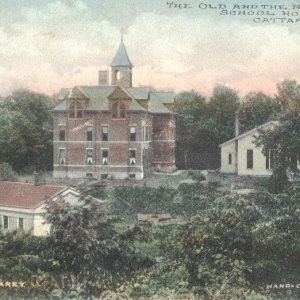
(69, 195)
(77, 93)
(119, 94)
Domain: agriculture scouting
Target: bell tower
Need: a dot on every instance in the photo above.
(121, 67)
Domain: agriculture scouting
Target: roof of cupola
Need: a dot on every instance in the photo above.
(121, 58)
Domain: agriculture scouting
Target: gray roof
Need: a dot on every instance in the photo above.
(61, 106)
(121, 58)
(139, 93)
(158, 100)
(99, 98)
(164, 97)
(252, 131)
(63, 93)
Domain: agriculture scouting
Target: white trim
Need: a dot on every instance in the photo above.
(28, 211)
(100, 166)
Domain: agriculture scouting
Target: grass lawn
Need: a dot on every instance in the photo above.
(230, 181)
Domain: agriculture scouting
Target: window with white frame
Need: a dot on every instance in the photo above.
(132, 133)
(5, 222)
(132, 156)
(89, 156)
(62, 133)
(270, 159)
(250, 159)
(104, 133)
(89, 133)
(21, 223)
(104, 156)
(147, 133)
(62, 156)
(230, 159)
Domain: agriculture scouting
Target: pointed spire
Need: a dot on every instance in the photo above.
(121, 58)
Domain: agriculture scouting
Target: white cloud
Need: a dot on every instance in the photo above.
(63, 44)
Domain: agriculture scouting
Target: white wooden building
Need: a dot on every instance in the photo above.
(240, 155)
(22, 205)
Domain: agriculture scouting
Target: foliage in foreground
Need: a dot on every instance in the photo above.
(220, 246)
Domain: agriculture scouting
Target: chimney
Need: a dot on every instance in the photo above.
(103, 77)
(237, 124)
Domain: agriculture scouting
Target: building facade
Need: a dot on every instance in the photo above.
(113, 130)
(22, 205)
(240, 155)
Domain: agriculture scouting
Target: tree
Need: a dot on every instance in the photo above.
(203, 126)
(223, 105)
(195, 140)
(289, 93)
(26, 130)
(256, 109)
(284, 142)
(85, 249)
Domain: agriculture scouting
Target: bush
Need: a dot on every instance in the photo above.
(6, 171)
(196, 175)
(278, 180)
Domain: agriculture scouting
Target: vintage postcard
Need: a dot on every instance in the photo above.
(149, 149)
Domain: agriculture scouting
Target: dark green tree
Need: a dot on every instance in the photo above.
(258, 108)
(85, 249)
(223, 105)
(284, 142)
(26, 130)
(196, 142)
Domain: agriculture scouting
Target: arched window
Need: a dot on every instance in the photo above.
(118, 75)
(79, 110)
(122, 111)
(114, 110)
(76, 110)
(72, 110)
(118, 110)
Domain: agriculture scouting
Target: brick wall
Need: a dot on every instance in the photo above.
(160, 148)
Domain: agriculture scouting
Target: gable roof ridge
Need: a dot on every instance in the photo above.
(250, 131)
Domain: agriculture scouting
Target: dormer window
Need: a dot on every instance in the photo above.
(118, 110)
(76, 110)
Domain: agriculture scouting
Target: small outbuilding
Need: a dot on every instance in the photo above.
(22, 205)
(241, 156)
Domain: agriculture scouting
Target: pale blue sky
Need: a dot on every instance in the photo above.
(46, 45)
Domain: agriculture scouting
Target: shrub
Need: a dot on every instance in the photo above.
(6, 171)
(278, 181)
(196, 175)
